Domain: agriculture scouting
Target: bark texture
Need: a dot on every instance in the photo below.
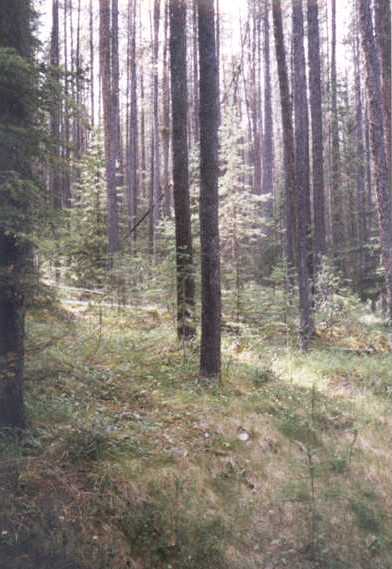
(337, 203)
(317, 129)
(15, 118)
(110, 130)
(182, 210)
(378, 142)
(301, 137)
(55, 110)
(268, 147)
(210, 357)
(383, 34)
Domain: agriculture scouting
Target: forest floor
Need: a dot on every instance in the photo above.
(130, 463)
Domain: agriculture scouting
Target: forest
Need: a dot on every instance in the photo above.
(195, 284)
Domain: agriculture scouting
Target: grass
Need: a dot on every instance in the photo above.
(130, 463)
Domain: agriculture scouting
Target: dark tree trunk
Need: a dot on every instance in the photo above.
(288, 135)
(115, 86)
(184, 255)
(15, 147)
(363, 233)
(337, 202)
(377, 132)
(109, 128)
(383, 35)
(166, 115)
(79, 88)
(195, 70)
(302, 176)
(210, 357)
(133, 129)
(55, 111)
(317, 130)
(268, 144)
(92, 77)
(156, 160)
(143, 142)
(66, 191)
(255, 102)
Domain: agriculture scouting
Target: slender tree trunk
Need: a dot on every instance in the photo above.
(15, 148)
(383, 35)
(218, 49)
(195, 66)
(115, 88)
(337, 202)
(268, 140)
(166, 115)
(54, 177)
(302, 176)
(369, 173)
(317, 130)
(257, 125)
(363, 234)
(210, 357)
(133, 128)
(143, 135)
(377, 132)
(66, 118)
(288, 135)
(156, 162)
(109, 127)
(78, 94)
(184, 255)
(92, 77)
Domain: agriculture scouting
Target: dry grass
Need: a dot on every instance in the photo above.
(129, 463)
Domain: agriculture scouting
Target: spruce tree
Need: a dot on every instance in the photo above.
(17, 98)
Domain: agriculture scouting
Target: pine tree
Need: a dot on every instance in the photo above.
(184, 255)
(210, 356)
(110, 129)
(378, 142)
(301, 136)
(317, 130)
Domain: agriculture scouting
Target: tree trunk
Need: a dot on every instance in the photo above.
(302, 176)
(363, 233)
(268, 145)
(66, 118)
(317, 130)
(255, 104)
(15, 147)
(383, 35)
(337, 202)
(156, 160)
(184, 255)
(92, 76)
(166, 115)
(377, 132)
(210, 356)
(195, 72)
(115, 86)
(109, 127)
(288, 135)
(133, 128)
(54, 120)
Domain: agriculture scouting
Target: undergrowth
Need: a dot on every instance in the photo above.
(129, 462)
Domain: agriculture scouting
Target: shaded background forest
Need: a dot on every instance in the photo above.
(340, 199)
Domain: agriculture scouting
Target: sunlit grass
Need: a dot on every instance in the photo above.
(289, 459)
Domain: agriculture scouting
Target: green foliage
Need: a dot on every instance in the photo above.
(85, 235)
(165, 534)
(240, 209)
